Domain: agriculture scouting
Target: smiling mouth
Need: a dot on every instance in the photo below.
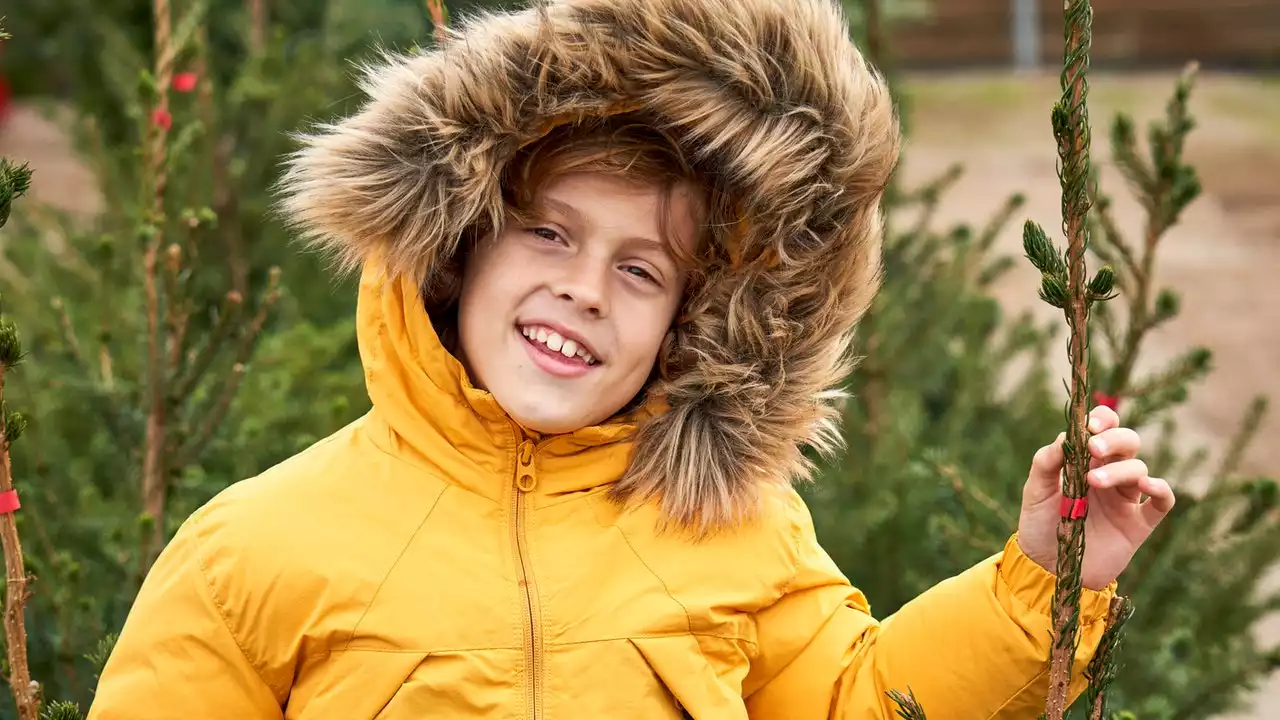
(554, 343)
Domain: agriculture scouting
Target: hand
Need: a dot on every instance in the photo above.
(1118, 522)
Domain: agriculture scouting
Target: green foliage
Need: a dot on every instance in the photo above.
(61, 710)
(239, 398)
(908, 706)
(15, 180)
(952, 399)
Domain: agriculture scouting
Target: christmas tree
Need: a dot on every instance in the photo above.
(937, 447)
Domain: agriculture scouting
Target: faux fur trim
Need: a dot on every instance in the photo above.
(770, 93)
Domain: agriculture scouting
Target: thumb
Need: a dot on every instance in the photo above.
(1045, 479)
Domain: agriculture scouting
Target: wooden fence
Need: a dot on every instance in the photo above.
(1236, 34)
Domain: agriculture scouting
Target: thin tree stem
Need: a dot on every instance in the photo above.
(153, 462)
(25, 695)
(257, 26)
(1071, 127)
(439, 20)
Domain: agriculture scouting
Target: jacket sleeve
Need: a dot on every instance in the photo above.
(975, 646)
(177, 655)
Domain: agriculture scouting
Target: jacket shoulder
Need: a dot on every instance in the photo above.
(316, 500)
(322, 527)
(774, 554)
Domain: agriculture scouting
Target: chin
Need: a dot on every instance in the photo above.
(534, 415)
(552, 412)
(550, 426)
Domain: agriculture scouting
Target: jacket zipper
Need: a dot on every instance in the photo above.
(533, 632)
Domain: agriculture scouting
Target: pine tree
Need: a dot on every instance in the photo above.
(929, 407)
(14, 183)
(162, 301)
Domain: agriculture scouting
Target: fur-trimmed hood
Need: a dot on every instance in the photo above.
(770, 94)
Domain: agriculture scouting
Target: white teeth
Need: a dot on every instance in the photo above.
(557, 343)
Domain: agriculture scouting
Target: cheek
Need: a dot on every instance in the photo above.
(485, 296)
(491, 278)
(643, 334)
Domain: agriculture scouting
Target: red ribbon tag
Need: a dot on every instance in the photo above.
(1074, 508)
(9, 502)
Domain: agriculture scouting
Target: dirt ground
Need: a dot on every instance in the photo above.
(1223, 258)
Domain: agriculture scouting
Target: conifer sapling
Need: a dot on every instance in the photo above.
(1063, 285)
(14, 182)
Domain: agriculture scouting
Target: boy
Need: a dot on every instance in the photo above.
(611, 253)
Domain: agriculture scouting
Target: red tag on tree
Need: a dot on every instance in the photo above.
(9, 502)
(1073, 508)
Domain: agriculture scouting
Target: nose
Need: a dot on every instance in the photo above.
(585, 283)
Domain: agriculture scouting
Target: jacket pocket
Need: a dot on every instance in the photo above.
(679, 664)
(351, 685)
(481, 683)
(385, 711)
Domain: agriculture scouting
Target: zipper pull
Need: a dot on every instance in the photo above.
(526, 478)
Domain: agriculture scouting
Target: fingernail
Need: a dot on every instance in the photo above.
(1095, 424)
(1099, 444)
(1100, 476)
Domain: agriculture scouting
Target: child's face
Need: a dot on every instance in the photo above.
(562, 319)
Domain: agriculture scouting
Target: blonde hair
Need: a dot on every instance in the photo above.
(621, 146)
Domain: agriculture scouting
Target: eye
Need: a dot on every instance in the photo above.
(639, 272)
(547, 234)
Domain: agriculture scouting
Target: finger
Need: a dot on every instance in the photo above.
(1124, 476)
(1046, 465)
(1161, 500)
(1103, 418)
(1116, 443)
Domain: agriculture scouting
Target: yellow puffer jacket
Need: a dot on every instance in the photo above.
(432, 560)
(429, 562)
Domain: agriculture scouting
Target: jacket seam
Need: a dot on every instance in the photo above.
(656, 636)
(439, 651)
(394, 563)
(1017, 693)
(687, 618)
(796, 532)
(222, 611)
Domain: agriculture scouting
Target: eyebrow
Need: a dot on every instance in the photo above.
(576, 215)
(564, 207)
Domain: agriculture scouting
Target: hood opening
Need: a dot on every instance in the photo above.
(769, 97)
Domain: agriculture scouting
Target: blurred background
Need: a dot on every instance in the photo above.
(154, 175)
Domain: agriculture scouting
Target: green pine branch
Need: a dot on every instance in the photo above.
(1165, 185)
(62, 710)
(15, 180)
(1101, 671)
(908, 707)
